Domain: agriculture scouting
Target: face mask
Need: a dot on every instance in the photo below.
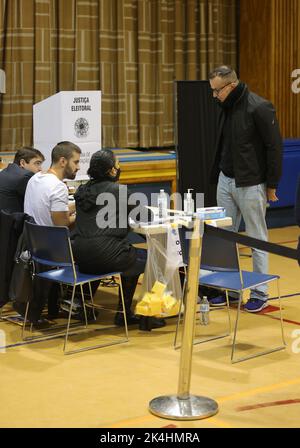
(117, 176)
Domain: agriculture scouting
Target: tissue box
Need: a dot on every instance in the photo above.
(211, 212)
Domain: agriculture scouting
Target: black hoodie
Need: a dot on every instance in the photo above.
(100, 243)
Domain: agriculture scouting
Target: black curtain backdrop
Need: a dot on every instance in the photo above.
(197, 118)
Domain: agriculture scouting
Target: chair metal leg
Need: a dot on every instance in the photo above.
(236, 325)
(123, 305)
(61, 290)
(220, 336)
(256, 355)
(83, 304)
(105, 344)
(228, 312)
(25, 320)
(92, 301)
(69, 319)
(213, 338)
(280, 313)
(265, 352)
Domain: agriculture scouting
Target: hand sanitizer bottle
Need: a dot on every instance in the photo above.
(162, 203)
(189, 203)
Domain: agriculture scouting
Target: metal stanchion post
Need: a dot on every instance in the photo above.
(185, 406)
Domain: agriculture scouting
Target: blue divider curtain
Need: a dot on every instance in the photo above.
(197, 118)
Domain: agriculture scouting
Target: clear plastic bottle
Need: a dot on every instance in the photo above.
(204, 311)
(189, 203)
(162, 203)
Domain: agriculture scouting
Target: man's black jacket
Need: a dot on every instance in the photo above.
(256, 142)
(13, 183)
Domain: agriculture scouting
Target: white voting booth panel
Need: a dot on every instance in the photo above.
(73, 116)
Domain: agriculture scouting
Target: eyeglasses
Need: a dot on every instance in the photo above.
(218, 91)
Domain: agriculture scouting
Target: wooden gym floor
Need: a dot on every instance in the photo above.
(111, 387)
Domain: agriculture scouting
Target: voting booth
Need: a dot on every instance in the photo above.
(73, 116)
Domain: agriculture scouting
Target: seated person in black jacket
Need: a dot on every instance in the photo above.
(14, 178)
(100, 237)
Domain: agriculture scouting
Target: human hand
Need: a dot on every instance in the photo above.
(271, 194)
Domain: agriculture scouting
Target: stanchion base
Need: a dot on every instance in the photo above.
(174, 408)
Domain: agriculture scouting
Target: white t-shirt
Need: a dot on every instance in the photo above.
(45, 193)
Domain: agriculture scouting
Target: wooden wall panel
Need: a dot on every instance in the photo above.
(269, 53)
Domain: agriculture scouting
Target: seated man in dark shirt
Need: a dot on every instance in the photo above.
(14, 178)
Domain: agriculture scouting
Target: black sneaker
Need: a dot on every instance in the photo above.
(41, 324)
(66, 305)
(131, 319)
(148, 323)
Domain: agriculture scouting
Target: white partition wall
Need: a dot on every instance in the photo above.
(74, 116)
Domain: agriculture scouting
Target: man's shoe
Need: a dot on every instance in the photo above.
(56, 315)
(91, 314)
(41, 324)
(255, 305)
(65, 305)
(221, 300)
(148, 323)
(131, 319)
(217, 301)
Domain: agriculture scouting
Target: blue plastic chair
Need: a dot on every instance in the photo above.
(220, 258)
(51, 246)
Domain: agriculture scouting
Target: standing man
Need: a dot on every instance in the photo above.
(14, 178)
(247, 166)
(46, 198)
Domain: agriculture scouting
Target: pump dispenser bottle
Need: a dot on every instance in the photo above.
(189, 203)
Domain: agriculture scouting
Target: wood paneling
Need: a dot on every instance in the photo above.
(269, 53)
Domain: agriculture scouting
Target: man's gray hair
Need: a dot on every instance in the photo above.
(225, 72)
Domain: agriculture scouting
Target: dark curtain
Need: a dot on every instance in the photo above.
(197, 116)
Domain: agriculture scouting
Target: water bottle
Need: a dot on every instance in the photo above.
(204, 311)
(162, 203)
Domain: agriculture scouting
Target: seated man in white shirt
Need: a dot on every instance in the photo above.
(47, 201)
(46, 197)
